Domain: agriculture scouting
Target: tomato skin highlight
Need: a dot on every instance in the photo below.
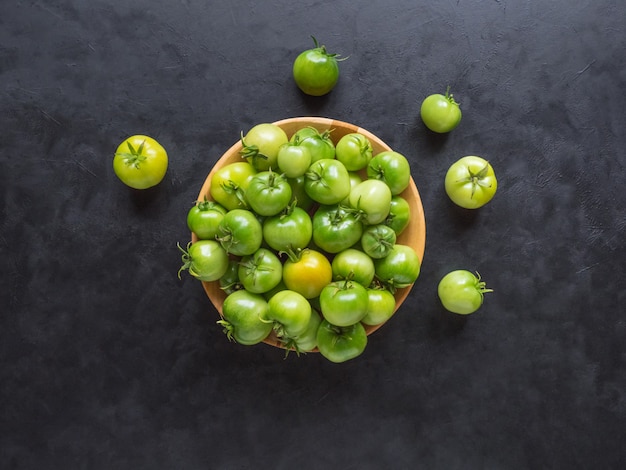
(140, 162)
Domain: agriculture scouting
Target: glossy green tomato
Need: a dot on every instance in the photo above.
(372, 199)
(240, 233)
(440, 113)
(471, 182)
(392, 168)
(241, 318)
(354, 265)
(327, 181)
(461, 292)
(289, 312)
(354, 151)
(261, 145)
(292, 229)
(229, 184)
(204, 218)
(205, 260)
(260, 272)
(293, 160)
(140, 162)
(377, 241)
(399, 269)
(316, 71)
(355, 179)
(335, 228)
(320, 144)
(399, 214)
(344, 303)
(381, 306)
(307, 272)
(340, 344)
(268, 193)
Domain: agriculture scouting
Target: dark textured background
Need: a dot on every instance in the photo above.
(108, 361)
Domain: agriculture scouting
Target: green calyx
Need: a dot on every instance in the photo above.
(134, 156)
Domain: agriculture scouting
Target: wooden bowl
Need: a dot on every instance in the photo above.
(414, 235)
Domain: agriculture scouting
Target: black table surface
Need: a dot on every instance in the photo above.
(109, 361)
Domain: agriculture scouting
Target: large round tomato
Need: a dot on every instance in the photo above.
(340, 344)
(307, 272)
(462, 292)
(140, 162)
(440, 113)
(268, 193)
(344, 303)
(316, 71)
(240, 233)
(290, 230)
(372, 199)
(289, 312)
(354, 265)
(327, 181)
(261, 145)
(204, 218)
(392, 168)
(400, 268)
(380, 307)
(260, 272)
(205, 260)
(241, 317)
(354, 150)
(471, 182)
(229, 184)
(320, 144)
(335, 228)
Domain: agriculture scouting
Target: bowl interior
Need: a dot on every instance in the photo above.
(414, 235)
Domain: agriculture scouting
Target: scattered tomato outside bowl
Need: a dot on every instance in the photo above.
(414, 235)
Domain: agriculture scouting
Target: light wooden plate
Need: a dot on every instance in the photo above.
(414, 235)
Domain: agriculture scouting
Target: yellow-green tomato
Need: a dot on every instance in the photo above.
(241, 318)
(440, 113)
(289, 312)
(462, 292)
(381, 306)
(471, 182)
(140, 162)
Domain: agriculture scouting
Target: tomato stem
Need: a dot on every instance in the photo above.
(134, 156)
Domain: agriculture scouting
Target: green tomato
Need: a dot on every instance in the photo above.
(229, 282)
(261, 145)
(471, 182)
(205, 260)
(140, 162)
(399, 214)
(294, 159)
(399, 269)
(298, 194)
(354, 265)
(327, 181)
(381, 306)
(229, 184)
(377, 241)
(392, 168)
(241, 318)
(343, 303)
(335, 228)
(290, 230)
(461, 292)
(354, 150)
(340, 344)
(289, 313)
(372, 199)
(440, 113)
(240, 233)
(268, 193)
(204, 218)
(260, 271)
(315, 71)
